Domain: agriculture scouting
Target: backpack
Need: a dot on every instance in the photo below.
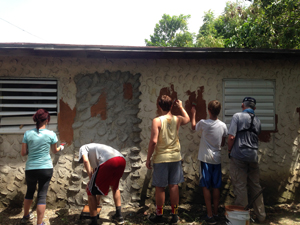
(252, 136)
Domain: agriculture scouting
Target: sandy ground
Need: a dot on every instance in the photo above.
(189, 214)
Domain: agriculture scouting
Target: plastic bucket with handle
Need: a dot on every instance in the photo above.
(237, 215)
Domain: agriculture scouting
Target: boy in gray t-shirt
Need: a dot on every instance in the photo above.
(105, 166)
(213, 136)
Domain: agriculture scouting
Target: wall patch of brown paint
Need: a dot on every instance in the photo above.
(100, 107)
(173, 94)
(199, 101)
(127, 90)
(65, 121)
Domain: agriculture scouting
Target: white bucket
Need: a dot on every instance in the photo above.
(237, 215)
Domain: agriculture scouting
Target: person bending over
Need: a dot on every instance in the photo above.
(105, 167)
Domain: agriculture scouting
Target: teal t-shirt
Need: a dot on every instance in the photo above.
(39, 148)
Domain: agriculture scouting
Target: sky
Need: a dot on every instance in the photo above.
(95, 22)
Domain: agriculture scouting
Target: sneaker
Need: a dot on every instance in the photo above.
(93, 223)
(174, 219)
(156, 219)
(216, 217)
(209, 220)
(27, 219)
(254, 220)
(118, 219)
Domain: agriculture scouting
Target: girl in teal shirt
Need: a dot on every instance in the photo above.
(39, 168)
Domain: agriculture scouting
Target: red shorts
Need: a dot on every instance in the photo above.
(106, 175)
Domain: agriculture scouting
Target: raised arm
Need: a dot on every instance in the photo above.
(184, 118)
(193, 119)
(156, 124)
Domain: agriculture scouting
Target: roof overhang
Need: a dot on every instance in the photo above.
(147, 52)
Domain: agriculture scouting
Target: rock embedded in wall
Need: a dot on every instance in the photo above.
(107, 108)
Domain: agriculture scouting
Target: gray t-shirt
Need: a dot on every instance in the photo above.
(246, 143)
(211, 138)
(98, 153)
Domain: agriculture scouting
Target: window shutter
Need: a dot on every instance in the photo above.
(21, 98)
(262, 90)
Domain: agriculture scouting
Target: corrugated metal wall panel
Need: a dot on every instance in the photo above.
(262, 90)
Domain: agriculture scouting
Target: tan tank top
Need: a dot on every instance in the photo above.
(168, 147)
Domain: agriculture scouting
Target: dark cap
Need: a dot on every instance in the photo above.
(249, 99)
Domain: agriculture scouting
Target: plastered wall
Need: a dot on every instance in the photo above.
(188, 80)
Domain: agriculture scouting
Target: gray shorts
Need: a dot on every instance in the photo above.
(167, 173)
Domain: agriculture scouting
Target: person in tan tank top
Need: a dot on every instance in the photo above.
(164, 148)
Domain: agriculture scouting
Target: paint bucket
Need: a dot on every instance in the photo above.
(237, 215)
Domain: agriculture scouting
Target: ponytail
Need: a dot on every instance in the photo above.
(39, 117)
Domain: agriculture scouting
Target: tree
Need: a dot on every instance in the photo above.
(208, 35)
(263, 24)
(268, 24)
(172, 32)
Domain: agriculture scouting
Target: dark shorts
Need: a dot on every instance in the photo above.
(41, 177)
(106, 175)
(167, 173)
(211, 175)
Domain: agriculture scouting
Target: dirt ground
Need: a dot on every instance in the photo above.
(189, 215)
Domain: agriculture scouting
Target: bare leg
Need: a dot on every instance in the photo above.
(92, 205)
(207, 198)
(160, 196)
(216, 199)
(98, 199)
(40, 210)
(117, 197)
(174, 194)
(27, 205)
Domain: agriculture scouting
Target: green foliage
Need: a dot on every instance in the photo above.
(208, 35)
(263, 24)
(269, 24)
(172, 32)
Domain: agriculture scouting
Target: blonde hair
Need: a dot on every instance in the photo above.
(214, 107)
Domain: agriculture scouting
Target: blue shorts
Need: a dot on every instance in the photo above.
(211, 175)
(167, 173)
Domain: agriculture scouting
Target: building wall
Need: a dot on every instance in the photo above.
(113, 101)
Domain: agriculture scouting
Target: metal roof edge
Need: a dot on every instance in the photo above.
(72, 50)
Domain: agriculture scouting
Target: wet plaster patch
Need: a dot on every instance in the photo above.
(100, 107)
(66, 118)
(199, 101)
(127, 90)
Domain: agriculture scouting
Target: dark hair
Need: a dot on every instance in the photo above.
(40, 116)
(165, 103)
(214, 107)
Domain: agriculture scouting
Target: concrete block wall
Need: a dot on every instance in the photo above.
(89, 114)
